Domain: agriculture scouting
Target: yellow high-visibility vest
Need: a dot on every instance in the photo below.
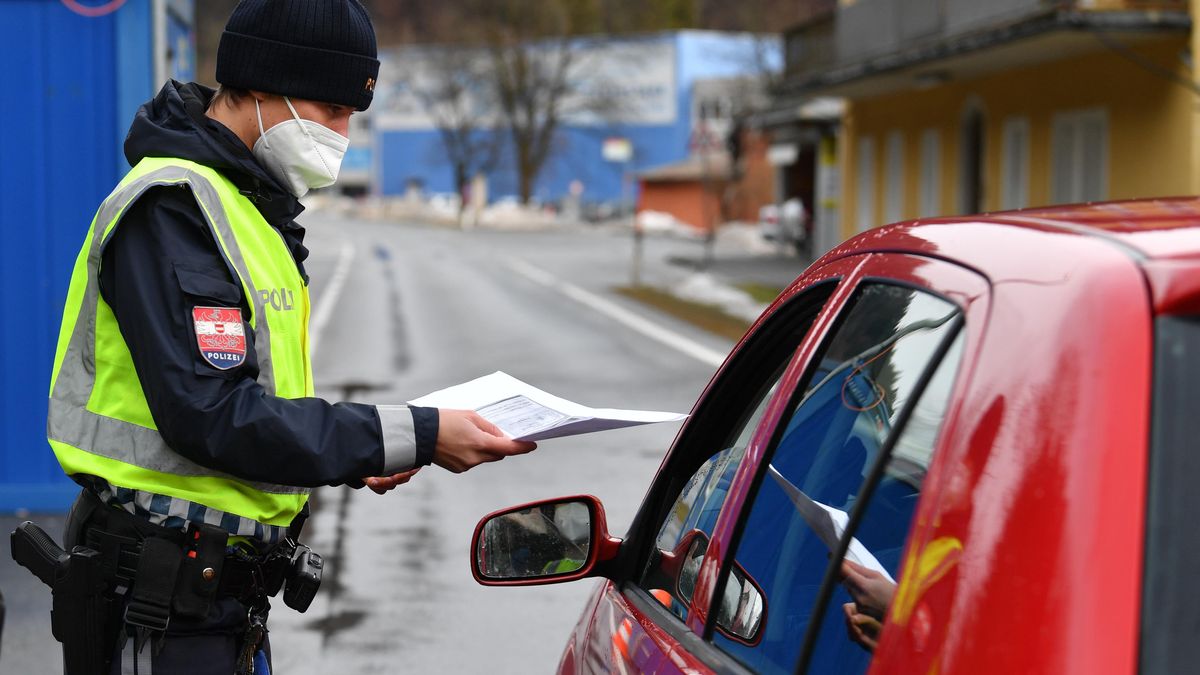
(99, 423)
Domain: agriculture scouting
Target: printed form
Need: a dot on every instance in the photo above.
(828, 524)
(527, 413)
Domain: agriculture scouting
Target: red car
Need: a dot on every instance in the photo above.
(951, 446)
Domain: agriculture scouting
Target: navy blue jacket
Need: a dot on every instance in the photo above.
(222, 419)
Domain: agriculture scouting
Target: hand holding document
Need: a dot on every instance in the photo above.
(828, 524)
(527, 413)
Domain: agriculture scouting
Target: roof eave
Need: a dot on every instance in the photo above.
(829, 82)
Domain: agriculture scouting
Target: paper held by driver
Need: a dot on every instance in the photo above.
(526, 413)
(828, 524)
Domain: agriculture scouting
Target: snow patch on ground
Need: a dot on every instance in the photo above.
(748, 238)
(659, 222)
(512, 215)
(706, 289)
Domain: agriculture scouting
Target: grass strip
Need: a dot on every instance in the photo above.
(709, 317)
(763, 293)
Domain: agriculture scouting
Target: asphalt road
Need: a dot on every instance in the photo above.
(425, 308)
(402, 310)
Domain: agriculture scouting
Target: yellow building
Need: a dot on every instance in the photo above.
(960, 106)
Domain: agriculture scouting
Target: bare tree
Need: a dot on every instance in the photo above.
(540, 75)
(453, 85)
(530, 61)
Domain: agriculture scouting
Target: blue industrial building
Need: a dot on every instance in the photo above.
(75, 73)
(656, 73)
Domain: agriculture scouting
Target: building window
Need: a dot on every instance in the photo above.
(893, 198)
(714, 109)
(1014, 159)
(865, 190)
(931, 173)
(1079, 156)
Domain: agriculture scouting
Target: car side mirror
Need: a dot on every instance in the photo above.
(544, 542)
(742, 605)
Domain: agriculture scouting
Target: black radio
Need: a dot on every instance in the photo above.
(303, 579)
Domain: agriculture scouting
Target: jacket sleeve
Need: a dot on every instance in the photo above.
(223, 419)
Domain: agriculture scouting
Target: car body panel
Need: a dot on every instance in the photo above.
(615, 636)
(1027, 543)
(1060, 516)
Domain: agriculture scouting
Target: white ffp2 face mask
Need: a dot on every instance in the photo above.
(301, 154)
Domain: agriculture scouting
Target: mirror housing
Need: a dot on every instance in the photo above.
(543, 543)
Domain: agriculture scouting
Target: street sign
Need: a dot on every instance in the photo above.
(617, 149)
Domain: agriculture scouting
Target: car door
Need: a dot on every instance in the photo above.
(639, 623)
(844, 448)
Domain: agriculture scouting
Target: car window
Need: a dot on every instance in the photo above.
(854, 618)
(702, 466)
(670, 574)
(868, 372)
(1169, 609)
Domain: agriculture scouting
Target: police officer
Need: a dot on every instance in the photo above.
(182, 393)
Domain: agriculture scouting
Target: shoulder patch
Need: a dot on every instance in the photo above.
(220, 336)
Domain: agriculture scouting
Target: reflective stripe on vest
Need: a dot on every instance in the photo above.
(99, 423)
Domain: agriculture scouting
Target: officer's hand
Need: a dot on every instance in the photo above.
(465, 440)
(381, 484)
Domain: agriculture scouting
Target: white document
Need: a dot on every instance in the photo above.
(828, 524)
(526, 413)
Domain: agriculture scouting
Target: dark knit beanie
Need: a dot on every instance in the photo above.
(320, 50)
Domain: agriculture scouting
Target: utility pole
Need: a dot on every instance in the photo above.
(619, 150)
(638, 235)
(702, 144)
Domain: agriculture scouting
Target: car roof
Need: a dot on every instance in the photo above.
(1157, 228)
(1161, 236)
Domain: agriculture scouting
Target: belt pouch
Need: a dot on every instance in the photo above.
(200, 571)
(150, 599)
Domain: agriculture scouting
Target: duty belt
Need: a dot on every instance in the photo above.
(169, 571)
(243, 575)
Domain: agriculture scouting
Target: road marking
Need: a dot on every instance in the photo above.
(328, 299)
(612, 310)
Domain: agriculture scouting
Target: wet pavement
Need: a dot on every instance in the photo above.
(404, 310)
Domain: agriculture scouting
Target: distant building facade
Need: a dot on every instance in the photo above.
(656, 102)
(725, 177)
(961, 106)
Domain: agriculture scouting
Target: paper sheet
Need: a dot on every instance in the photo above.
(527, 413)
(828, 524)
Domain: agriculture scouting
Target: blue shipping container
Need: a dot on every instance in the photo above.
(75, 72)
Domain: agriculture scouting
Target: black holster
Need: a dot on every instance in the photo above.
(124, 573)
(80, 606)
